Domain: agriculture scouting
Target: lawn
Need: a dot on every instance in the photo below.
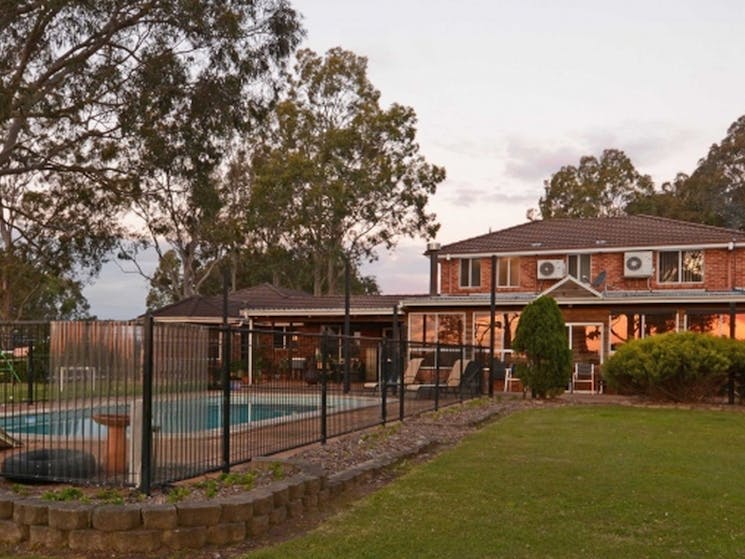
(559, 482)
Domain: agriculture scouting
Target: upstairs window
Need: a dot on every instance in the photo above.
(578, 266)
(680, 266)
(508, 271)
(470, 272)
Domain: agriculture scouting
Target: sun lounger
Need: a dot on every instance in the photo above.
(412, 368)
(452, 383)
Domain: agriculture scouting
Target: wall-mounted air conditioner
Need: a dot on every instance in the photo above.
(551, 269)
(638, 264)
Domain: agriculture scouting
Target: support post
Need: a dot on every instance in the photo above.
(731, 380)
(492, 323)
(225, 374)
(324, 385)
(347, 322)
(146, 466)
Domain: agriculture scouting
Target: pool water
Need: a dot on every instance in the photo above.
(173, 416)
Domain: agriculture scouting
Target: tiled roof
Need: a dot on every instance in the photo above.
(594, 233)
(265, 298)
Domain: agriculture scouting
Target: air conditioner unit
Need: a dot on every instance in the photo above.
(551, 269)
(638, 264)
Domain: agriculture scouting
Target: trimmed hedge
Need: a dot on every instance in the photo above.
(679, 366)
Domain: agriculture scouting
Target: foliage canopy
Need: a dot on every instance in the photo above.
(339, 174)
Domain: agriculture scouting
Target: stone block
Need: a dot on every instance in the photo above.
(7, 499)
(226, 533)
(281, 493)
(31, 511)
(324, 495)
(115, 518)
(12, 533)
(88, 540)
(198, 514)
(296, 488)
(310, 502)
(263, 501)
(159, 517)
(237, 509)
(295, 508)
(44, 536)
(70, 516)
(185, 538)
(135, 541)
(312, 485)
(278, 516)
(258, 525)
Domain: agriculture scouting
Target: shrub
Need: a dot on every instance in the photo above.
(541, 338)
(682, 366)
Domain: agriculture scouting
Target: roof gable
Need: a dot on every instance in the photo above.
(570, 288)
(602, 233)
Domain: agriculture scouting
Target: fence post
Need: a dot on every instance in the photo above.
(147, 407)
(324, 385)
(438, 355)
(402, 369)
(731, 379)
(226, 353)
(383, 380)
(492, 323)
(30, 373)
(462, 368)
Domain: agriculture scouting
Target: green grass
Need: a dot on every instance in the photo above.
(559, 482)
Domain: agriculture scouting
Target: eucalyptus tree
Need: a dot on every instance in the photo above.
(338, 175)
(595, 188)
(715, 192)
(73, 76)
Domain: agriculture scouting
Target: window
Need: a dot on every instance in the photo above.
(680, 266)
(627, 326)
(282, 338)
(426, 329)
(505, 325)
(579, 267)
(508, 271)
(470, 272)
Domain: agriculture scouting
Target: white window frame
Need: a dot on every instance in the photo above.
(473, 279)
(679, 278)
(509, 260)
(576, 270)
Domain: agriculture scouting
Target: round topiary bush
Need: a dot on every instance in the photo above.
(679, 366)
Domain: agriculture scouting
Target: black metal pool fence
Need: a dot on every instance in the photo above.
(146, 403)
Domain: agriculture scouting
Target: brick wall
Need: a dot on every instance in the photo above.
(723, 270)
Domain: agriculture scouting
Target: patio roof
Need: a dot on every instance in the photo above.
(579, 298)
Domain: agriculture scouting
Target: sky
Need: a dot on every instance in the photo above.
(508, 91)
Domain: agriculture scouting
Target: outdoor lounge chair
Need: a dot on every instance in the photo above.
(451, 384)
(412, 368)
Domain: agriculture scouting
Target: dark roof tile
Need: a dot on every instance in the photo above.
(603, 232)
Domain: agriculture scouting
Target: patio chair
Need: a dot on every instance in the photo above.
(510, 378)
(584, 375)
(412, 369)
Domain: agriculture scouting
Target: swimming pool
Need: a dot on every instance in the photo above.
(184, 415)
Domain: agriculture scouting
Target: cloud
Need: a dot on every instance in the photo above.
(534, 161)
(403, 271)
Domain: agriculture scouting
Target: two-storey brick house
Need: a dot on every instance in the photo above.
(614, 278)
